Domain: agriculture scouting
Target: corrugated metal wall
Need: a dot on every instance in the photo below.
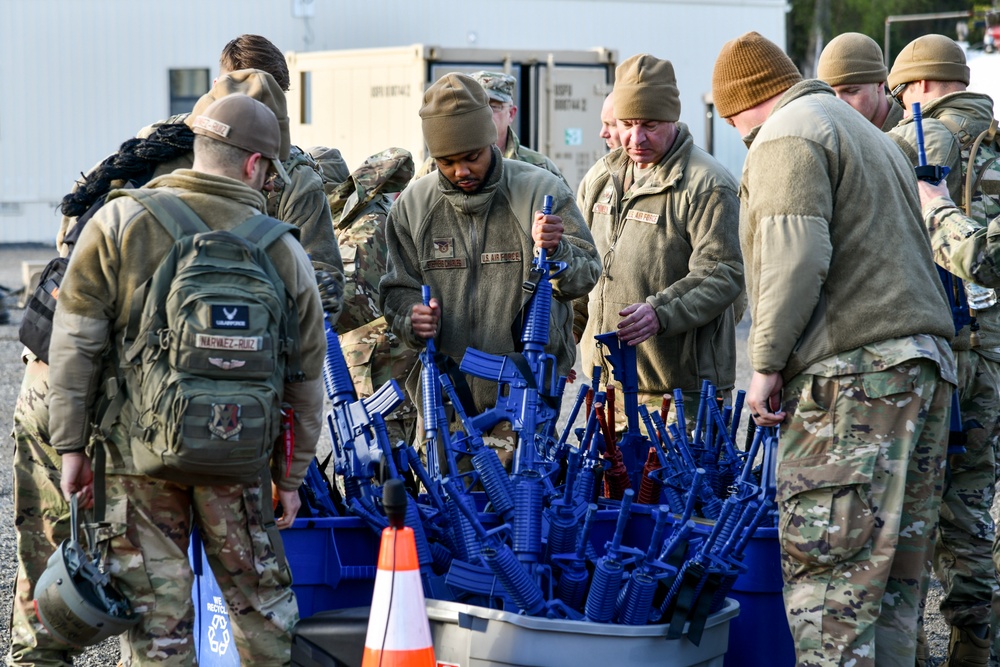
(80, 76)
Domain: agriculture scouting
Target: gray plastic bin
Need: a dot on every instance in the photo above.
(478, 637)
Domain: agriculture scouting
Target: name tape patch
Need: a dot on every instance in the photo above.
(212, 125)
(602, 209)
(242, 343)
(501, 257)
(642, 216)
(457, 263)
(230, 317)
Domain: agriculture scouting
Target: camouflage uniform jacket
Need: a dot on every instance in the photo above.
(671, 241)
(819, 183)
(120, 249)
(513, 150)
(374, 354)
(966, 257)
(475, 251)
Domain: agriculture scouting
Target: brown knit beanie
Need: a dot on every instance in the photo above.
(749, 70)
(254, 83)
(456, 116)
(646, 89)
(851, 58)
(929, 58)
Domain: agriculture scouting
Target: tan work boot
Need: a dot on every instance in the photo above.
(923, 653)
(967, 648)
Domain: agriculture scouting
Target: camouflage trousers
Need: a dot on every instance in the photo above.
(41, 520)
(149, 527)
(963, 557)
(860, 476)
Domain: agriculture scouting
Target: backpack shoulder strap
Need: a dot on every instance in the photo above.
(180, 221)
(170, 211)
(971, 144)
(987, 136)
(263, 230)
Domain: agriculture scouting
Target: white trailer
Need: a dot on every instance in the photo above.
(363, 101)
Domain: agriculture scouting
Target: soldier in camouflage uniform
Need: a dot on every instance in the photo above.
(469, 233)
(661, 198)
(41, 515)
(149, 520)
(932, 70)
(374, 354)
(866, 397)
(500, 88)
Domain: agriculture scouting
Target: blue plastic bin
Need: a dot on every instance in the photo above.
(760, 634)
(333, 562)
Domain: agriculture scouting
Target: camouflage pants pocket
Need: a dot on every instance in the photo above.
(827, 518)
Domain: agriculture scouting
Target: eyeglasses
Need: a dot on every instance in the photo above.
(897, 92)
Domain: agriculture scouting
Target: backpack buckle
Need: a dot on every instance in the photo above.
(163, 338)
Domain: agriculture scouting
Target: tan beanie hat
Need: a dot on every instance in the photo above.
(646, 89)
(257, 84)
(929, 58)
(456, 116)
(851, 58)
(749, 70)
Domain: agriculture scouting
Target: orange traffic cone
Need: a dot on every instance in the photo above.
(399, 634)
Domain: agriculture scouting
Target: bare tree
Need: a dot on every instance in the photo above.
(819, 33)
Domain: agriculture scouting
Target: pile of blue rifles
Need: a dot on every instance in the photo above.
(637, 528)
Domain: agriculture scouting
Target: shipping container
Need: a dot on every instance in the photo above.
(363, 101)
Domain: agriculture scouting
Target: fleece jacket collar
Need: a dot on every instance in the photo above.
(800, 89)
(211, 184)
(477, 203)
(663, 175)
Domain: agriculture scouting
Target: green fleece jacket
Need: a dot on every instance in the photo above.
(831, 231)
(967, 248)
(672, 242)
(475, 251)
(119, 249)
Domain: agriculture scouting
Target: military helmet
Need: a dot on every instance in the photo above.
(76, 601)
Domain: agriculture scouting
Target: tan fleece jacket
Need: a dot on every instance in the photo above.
(830, 225)
(119, 249)
(672, 242)
(475, 251)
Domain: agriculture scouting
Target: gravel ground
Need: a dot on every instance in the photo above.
(106, 654)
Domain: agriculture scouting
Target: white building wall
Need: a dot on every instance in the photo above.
(81, 76)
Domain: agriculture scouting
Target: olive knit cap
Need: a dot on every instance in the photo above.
(929, 58)
(646, 89)
(749, 70)
(851, 58)
(456, 116)
(254, 83)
